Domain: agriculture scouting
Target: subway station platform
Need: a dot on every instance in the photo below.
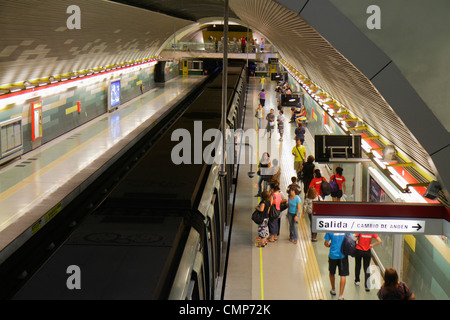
(281, 270)
(35, 187)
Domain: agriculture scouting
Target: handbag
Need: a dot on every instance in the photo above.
(274, 213)
(257, 217)
(334, 185)
(283, 206)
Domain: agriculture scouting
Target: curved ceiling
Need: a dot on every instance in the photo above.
(341, 60)
(36, 43)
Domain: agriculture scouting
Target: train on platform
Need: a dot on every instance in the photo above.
(163, 231)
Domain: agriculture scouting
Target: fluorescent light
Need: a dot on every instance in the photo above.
(380, 163)
(376, 154)
(365, 146)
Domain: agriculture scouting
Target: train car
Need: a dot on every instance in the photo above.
(162, 232)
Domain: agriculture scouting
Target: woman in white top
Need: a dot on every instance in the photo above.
(259, 116)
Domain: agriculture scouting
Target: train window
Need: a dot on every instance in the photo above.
(210, 251)
(218, 213)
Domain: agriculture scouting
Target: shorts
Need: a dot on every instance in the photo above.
(337, 194)
(342, 265)
(297, 165)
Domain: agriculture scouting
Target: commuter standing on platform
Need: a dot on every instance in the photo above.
(393, 289)
(310, 196)
(243, 44)
(259, 116)
(363, 252)
(262, 44)
(264, 207)
(263, 170)
(299, 153)
(337, 259)
(280, 121)
(294, 207)
(274, 224)
(340, 180)
(262, 97)
(308, 172)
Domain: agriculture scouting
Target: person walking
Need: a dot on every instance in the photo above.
(393, 289)
(262, 97)
(363, 252)
(300, 132)
(280, 121)
(259, 116)
(264, 207)
(270, 122)
(340, 180)
(310, 196)
(263, 81)
(299, 153)
(307, 172)
(294, 207)
(316, 183)
(336, 259)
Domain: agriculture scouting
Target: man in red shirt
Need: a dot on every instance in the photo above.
(364, 244)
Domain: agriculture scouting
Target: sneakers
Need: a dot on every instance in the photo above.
(357, 283)
(333, 292)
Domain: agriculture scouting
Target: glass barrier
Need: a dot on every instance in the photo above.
(212, 47)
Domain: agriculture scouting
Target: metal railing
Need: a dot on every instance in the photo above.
(212, 47)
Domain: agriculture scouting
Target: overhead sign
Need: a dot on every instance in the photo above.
(357, 225)
(375, 217)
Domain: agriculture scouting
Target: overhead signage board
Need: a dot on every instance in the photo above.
(364, 225)
(377, 217)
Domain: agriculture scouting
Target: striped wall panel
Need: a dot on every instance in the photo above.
(305, 49)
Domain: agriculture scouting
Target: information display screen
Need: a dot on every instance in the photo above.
(114, 94)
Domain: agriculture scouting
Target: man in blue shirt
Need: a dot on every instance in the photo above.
(336, 259)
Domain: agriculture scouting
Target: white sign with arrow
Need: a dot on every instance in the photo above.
(339, 224)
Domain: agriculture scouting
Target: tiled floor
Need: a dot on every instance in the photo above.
(281, 270)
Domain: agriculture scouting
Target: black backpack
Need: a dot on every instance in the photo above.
(348, 247)
(326, 188)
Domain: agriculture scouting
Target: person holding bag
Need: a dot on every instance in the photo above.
(299, 152)
(263, 208)
(275, 220)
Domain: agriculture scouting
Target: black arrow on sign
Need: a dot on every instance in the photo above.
(418, 227)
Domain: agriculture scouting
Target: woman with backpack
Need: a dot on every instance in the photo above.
(316, 183)
(339, 180)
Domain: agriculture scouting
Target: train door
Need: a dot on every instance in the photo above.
(196, 288)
